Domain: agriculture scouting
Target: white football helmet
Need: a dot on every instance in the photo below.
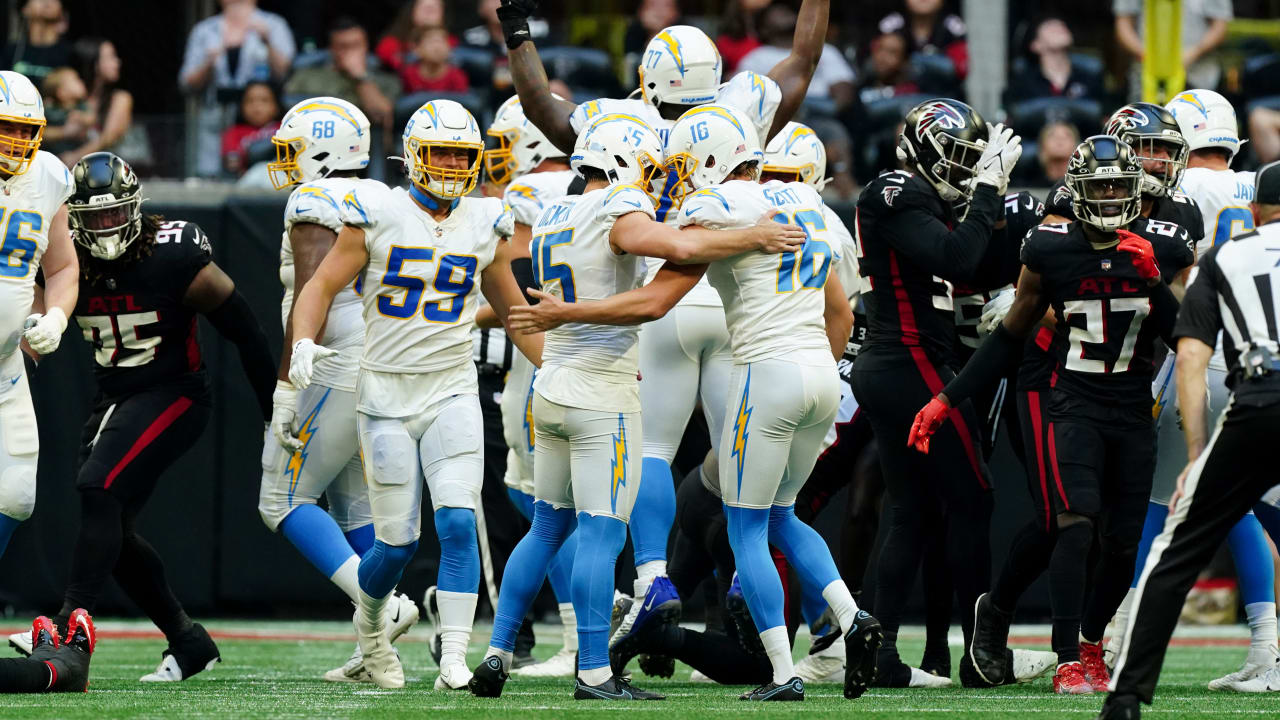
(624, 147)
(521, 145)
(681, 66)
(439, 125)
(705, 145)
(318, 136)
(20, 103)
(796, 155)
(1206, 120)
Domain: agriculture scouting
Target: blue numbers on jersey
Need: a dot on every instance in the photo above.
(322, 129)
(1232, 221)
(455, 278)
(18, 251)
(545, 271)
(813, 262)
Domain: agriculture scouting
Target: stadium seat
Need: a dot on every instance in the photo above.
(1028, 117)
(476, 62)
(936, 75)
(316, 58)
(586, 70)
(406, 106)
(1262, 76)
(886, 113)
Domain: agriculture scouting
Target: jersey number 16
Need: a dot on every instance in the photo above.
(809, 267)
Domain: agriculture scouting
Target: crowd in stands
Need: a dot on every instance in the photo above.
(243, 68)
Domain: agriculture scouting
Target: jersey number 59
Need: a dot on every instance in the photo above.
(454, 278)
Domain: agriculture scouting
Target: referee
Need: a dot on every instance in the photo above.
(1234, 291)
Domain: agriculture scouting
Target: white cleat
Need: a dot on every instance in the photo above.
(1268, 681)
(697, 677)
(453, 677)
(1031, 664)
(922, 679)
(21, 642)
(169, 671)
(380, 659)
(1246, 674)
(351, 671)
(823, 667)
(559, 665)
(402, 614)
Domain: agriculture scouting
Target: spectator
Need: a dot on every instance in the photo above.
(109, 107)
(1058, 140)
(738, 36)
(1204, 27)
(651, 17)
(432, 71)
(41, 48)
(396, 46)
(489, 34)
(1264, 130)
(928, 30)
(66, 111)
(258, 120)
(833, 77)
(347, 75)
(888, 74)
(1049, 72)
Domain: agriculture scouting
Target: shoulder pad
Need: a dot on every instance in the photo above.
(183, 235)
(623, 199)
(359, 205)
(314, 203)
(708, 207)
(894, 190)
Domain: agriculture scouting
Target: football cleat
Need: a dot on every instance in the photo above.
(862, 645)
(614, 688)
(1268, 681)
(21, 642)
(1250, 671)
(936, 662)
(562, 664)
(661, 598)
(922, 679)
(43, 634)
(81, 634)
(735, 604)
(191, 652)
(1095, 670)
(433, 620)
(402, 614)
(790, 691)
(1070, 680)
(380, 659)
(990, 640)
(824, 663)
(621, 606)
(453, 676)
(488, 678)
(697, 676)
(663, 666)
(1031, 664)
(1120, 707)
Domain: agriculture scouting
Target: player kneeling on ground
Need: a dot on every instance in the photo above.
(56, 664)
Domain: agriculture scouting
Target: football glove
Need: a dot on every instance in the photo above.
(44, 332)
(284, 402)
(514, 16)
(1140, 252)
(998, 158)
(994, 311)
(927, 422)
(305, 355)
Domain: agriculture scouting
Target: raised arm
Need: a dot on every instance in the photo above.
(952, 254)
(638, 234)
(503, 293)
(548, 112)
(794, 72)
(632, 307)
(838, 315)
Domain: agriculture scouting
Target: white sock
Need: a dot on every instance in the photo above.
(569, 626)
(645, 574)
(457, 612)
(1120, 623)
(371, 612)
(347, 578)
(842, 604)
(595, 676)
(1262, 631)
(503, 655)
(778, 647)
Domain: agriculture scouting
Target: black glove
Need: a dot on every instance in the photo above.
(514, 15)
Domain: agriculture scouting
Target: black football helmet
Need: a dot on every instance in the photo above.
(1152, 131)
(942, 139)
(105, 209)
(1105, 179)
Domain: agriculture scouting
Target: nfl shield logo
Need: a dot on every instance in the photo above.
(1106, 264)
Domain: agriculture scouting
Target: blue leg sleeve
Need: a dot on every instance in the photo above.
(654, 511)
(1156, 513)
(526, 569)
(382, 566)
(523, 503)
(7, 526)
(459, 550)
(805, 550)
(761, 586)
(361, 539)
(1252, 556)
(317, 537)
(600, 539)
(560, 573)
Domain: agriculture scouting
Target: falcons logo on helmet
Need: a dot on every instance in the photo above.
(938, 114)
(1127, 118)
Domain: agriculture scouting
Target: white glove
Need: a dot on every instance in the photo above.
(284, 403)
(998, 158)
(44, 332)
(994, 311)
(305, 355)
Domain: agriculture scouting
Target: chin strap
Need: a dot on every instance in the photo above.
(427, 200)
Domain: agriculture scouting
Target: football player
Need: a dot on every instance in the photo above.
(35, 186)
(422, 254)
(918, 231)
(586, 400)
(143, 282)
(312, 447)
(56, 664)
(1105, 277)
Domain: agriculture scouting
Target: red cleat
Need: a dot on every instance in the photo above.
(1095, 669)
(43, 633)
(81, 634)
(1070, 680)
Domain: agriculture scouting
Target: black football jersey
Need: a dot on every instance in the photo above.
(134, 318)
(1174, 207)
(1103, 343)
(911, 248)
(1058, 201)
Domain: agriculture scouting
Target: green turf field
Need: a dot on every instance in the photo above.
(272, 670)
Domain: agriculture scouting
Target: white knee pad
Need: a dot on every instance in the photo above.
(349, 498)
(394, 482)
(452, 451)
(18, 423)
(21, 450)
(18, 489)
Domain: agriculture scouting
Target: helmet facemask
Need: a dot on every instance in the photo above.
(1093, 206)
(16, 152)
(499, 163)
(1148, 148)
(106, 229)
(440, 181)
(953, 168)
(285, 172)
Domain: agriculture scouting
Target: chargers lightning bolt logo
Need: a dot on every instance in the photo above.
(673, 47)
(740, 429)
(618, 464)
(353, 202)
(528, 414)
(299, 458)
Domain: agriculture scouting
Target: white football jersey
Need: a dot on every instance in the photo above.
(528, 195)
(317, 202)
(774, 304)
(847, 264)
(589, 366)
(29, 202)
(1223, 197)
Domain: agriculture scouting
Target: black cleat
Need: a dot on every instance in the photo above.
(191, 652)
(861, 646)
(936, 661)
(614, 688)
(1120, 707)
(488, 678)
(735, 604)
(989, 649)
(44, 634)
(893, 674)
(790, 691)
(663, 666)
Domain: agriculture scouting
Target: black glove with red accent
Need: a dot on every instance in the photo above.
(514, 16)
(1141, 253)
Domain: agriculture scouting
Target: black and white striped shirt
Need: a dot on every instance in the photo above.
(491, 350)
(1235, 290)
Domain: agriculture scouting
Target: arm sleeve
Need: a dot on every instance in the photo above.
(197, 252)
(1201, 316)
(522, 269)
(234, 320)
(949, 254)
(1164, 308)
(994, 358)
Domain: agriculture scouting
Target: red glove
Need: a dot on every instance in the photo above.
(927, 422)
(1143, 256)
